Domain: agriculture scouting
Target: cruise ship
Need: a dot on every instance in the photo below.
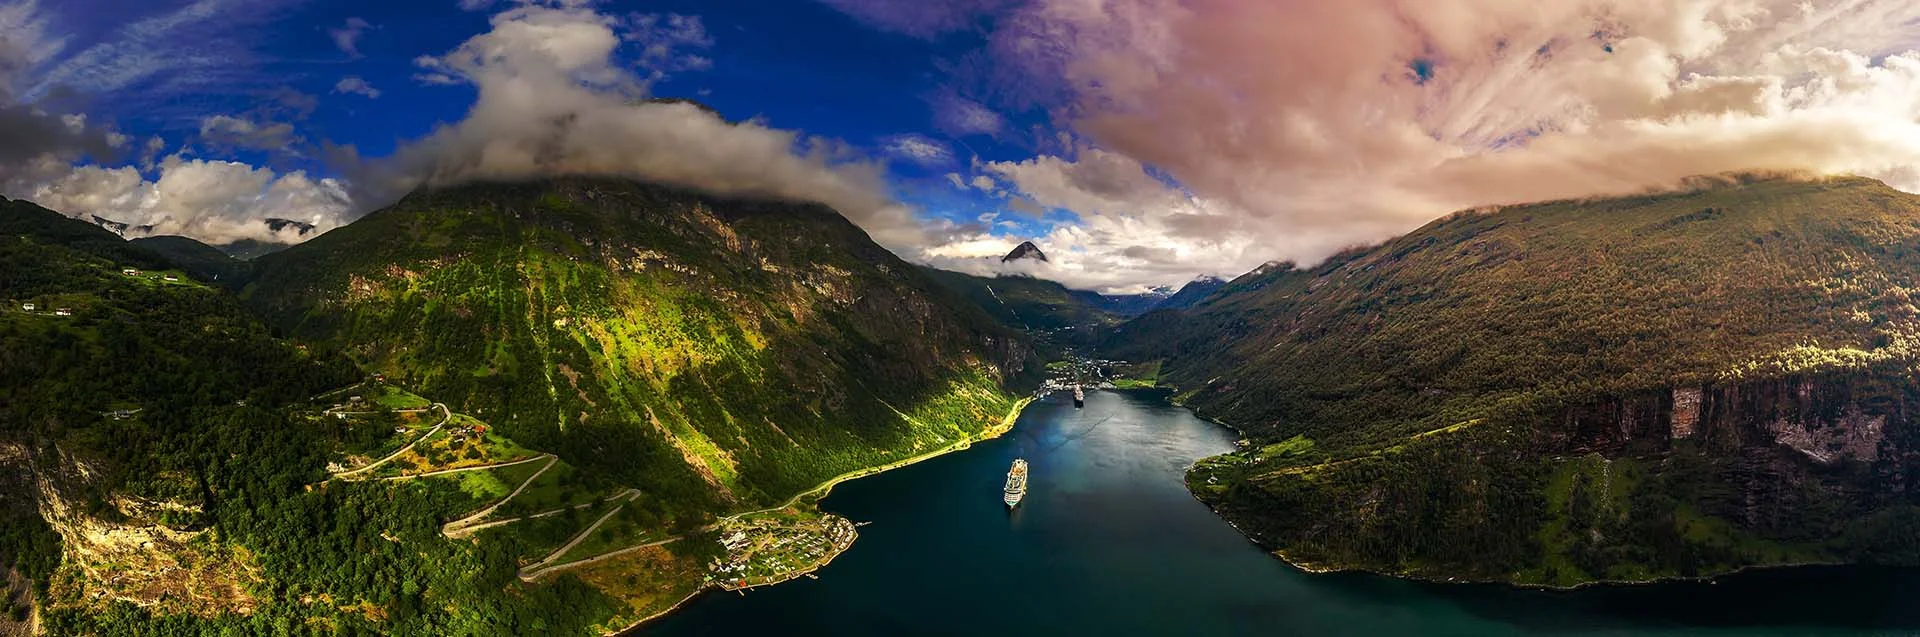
(1016, 483)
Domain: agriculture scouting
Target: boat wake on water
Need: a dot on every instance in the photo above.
(1016, 488)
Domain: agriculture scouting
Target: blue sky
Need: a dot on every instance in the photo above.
(1138, 142)
(799, 66)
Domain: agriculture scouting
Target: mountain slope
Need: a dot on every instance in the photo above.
(1192, 293)
(1026, 302)
(1630, 388)
(716, 354)
(199, 259)
(136, 413)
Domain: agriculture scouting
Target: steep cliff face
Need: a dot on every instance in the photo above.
(134, 549)
(1682, 482)
(1563, 392)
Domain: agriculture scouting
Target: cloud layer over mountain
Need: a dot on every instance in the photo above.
(1138, 142)
(1225, 133)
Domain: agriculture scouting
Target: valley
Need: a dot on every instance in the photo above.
(837, 318)
(600, 468)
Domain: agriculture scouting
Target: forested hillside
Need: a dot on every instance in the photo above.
(713, 353)
(1670, 384)
(171, 467)
(201, 260)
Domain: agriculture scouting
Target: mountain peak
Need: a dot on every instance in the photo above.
(1026, 250)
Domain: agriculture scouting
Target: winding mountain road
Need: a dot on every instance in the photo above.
(482, 526)
(445, 417)
(463, 526)
(482, 467)
(535, 570)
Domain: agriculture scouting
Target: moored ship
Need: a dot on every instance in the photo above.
(1016, 483)
(1079, 397)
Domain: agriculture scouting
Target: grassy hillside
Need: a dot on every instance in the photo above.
(1626, 388)
(719, 354)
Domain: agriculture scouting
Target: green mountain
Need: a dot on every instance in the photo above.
(1059, 315)
(1028, 303)
(715, 354)
(147, 462)
(1191, 294)
(655, 368)
(201, 260)
(1617, 389)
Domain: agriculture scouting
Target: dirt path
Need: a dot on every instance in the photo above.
(473, 528)
(445, 417)
(458, 527)
(539, 568)
(341, 390)
(529, 576)
(482, 467)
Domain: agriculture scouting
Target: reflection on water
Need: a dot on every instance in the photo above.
(1108, 542)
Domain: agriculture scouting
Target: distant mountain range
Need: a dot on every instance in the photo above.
(244, 249)
(1192, 293)
(1072, 317)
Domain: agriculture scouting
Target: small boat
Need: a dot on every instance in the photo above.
(1016, 483)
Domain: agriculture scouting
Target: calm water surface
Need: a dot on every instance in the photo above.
(1108, 542)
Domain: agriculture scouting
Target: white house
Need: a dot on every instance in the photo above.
(28, 307)
(65, 311)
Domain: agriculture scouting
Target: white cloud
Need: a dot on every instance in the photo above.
(226, 131)
(556, 98)
(663, 40)
(347, 36)
(353, 85)
(1132, 230)
(960, 116)
(31, 137)
(25, 44)
(1290, 129)
(200, 45)
(919, 149)
(213, 201)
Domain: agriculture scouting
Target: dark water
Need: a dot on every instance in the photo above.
(1109, 542)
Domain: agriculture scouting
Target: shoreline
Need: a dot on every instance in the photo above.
(1545, 588)
(825, 488)
(794, 575)
(1307, 567)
